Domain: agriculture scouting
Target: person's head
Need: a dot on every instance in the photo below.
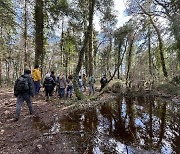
(36, 66)
(70, 77)
(52, 72)
(104, 75)
(79, 76)
(61, 74)
(84, 75)
(27, 71)
(47, 75)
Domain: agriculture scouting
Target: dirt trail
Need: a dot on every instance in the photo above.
(27, 134)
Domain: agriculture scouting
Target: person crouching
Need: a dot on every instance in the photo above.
(48, 85)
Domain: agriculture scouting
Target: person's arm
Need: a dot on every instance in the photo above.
(54, 83)
(65, 82)
(15, 91)
(101, 81)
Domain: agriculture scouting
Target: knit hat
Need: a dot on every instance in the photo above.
(47, 75)
(27, 71)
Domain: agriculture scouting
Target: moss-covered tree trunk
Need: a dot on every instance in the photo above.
(79, 94)
(90, 50)
(86, 62)
(163, 64)
(172, 11)
(39, 37)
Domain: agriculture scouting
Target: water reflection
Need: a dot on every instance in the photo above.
(126, 125)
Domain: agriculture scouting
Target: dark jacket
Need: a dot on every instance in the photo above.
(53, 76)
(103, 81)
(49, 83)
(31, 90)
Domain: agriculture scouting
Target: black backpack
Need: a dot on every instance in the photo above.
(48, 82)
(22, 84)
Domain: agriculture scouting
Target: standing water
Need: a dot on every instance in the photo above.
(126, 125)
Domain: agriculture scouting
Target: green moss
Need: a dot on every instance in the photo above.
(169, 88)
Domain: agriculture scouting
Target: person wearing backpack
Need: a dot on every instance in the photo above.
(36, 75)
(54, 78)
(69, 86)
(103, 82)
(48, 85)
(91, 85)
(23, 90)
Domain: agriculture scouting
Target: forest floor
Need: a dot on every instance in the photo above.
(31, 133)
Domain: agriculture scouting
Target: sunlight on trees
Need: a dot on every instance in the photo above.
(60, 35)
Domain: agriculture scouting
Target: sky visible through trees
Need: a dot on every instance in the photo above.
(126, 39)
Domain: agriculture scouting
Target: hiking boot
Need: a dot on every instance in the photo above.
(47, 98)
(31, 112)
(15, 119)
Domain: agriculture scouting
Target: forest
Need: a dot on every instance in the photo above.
(140, 58)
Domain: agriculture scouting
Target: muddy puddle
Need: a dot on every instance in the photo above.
(125, 125)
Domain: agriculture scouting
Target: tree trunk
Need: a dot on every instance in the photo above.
(25, 35)
(79, 95)
(108, 56)
(176, 33)
(90, 41)
(119, 61)
(39, 37)
(149, 49)
(66, 62)
(62, 45)
(86, 62)
(163, 65)
(174, 19)
(0, 69)
(129, 59)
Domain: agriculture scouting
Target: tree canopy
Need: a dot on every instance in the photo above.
(61, 35)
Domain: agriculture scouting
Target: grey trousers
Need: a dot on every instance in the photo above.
(20, 99)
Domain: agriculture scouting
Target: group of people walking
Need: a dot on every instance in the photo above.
(60, 83)
(27, 86)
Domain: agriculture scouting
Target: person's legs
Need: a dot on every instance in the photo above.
(90, 89)
(63, 92)
(70, 90)
(20, 100)
(47, 94)
(38, 87)
(84, 87)
(93, 91)
(102, 86)
(67, 91)
(51, 92)
(59, 92)
(27, 98)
